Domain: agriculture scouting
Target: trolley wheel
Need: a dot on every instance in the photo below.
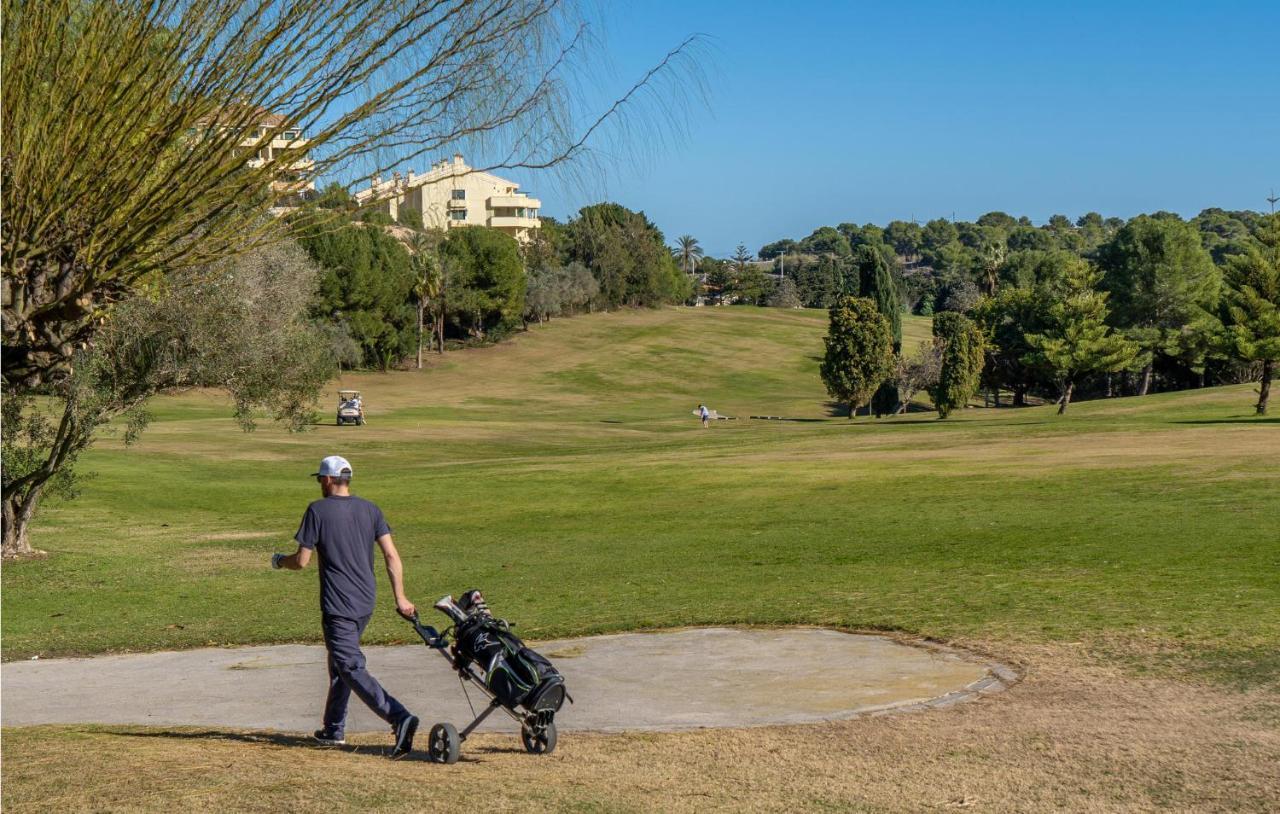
(539, 741)
(444, 745)
(359, 422)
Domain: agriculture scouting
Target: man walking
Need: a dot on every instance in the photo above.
(342, 530)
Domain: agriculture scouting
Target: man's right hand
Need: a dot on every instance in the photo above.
(405, 608)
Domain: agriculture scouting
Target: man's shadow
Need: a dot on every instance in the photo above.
(279, 739)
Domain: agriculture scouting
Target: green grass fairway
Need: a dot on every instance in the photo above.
(564, 473)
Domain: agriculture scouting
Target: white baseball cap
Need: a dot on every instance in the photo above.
(334, 466)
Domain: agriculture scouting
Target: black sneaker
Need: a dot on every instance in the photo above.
(405, 730)
(326, 737)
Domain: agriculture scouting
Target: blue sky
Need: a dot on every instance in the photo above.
(822, 113)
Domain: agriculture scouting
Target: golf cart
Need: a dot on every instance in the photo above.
(350, 407)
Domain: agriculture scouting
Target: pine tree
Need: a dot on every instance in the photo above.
(961, 345)
(1078, 340)
(859, 352)
(1161, 281)
(1253, 305)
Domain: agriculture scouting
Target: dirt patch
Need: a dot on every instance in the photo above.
(567, 652)
(237, 535)
(1071, 736)
(214, 560)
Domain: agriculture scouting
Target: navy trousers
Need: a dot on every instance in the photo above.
(347, 675)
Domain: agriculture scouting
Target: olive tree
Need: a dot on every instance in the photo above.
(239, 324)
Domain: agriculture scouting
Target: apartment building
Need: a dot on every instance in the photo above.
(285, 148)
(452, 194)
(287, 144)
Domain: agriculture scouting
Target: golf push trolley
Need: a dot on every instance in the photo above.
(517, 680)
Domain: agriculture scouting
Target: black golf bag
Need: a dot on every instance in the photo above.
(516, 675)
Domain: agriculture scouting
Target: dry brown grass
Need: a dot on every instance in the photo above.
(1073, 736)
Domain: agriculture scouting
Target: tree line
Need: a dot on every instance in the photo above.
(388, 290)
(1085, 308)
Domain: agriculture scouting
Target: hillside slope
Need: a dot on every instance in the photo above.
(564, 473)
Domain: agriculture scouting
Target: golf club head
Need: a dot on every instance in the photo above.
(449, 608)
(472, 602)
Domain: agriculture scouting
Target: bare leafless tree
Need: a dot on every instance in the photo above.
(917, 372)
(131, 127)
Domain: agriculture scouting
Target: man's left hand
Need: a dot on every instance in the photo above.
(405, 608)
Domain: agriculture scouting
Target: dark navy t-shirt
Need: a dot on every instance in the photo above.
(342, 530)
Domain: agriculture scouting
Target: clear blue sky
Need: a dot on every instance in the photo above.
(822, 113)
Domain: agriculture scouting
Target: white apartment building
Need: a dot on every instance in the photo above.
(452, 194)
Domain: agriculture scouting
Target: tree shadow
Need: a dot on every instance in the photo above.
(836, 410)
(1242, 420)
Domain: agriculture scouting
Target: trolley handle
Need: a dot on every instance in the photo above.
(429, 634)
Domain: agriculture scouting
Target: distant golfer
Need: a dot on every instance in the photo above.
(704, 414)
(342, 529)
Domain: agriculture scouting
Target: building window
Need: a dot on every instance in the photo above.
(458, 214)
(459, 194)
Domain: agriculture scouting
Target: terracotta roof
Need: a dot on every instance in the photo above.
(254, 116)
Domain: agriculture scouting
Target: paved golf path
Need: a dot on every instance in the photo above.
(703, 677)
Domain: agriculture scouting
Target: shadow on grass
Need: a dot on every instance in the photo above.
(1244, 420)
(837, 410)
(271, 739)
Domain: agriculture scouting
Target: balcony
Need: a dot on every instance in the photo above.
(457, 203)
(514, 202)
(513, 222)
(279, 143)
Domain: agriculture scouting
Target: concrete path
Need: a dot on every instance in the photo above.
(704, 677)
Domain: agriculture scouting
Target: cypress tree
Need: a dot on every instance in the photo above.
(875, 282)
(859, 352)
(962, 356)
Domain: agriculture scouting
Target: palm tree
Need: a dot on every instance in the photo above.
(993, 257)
(429, 289)
(688, 252)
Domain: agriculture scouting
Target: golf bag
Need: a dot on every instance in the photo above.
(516, 675)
